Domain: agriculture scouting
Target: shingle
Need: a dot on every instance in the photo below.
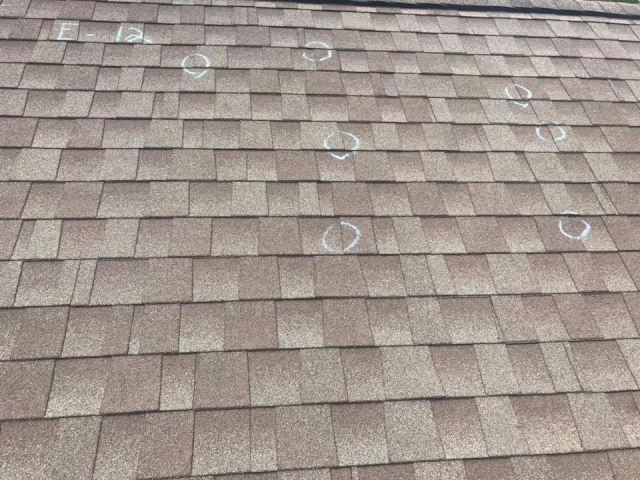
(32, 333)
(596, 424)
(497, 372)
(305, 437)
(279, 236)
(470, 274)
(411, 430)
(443, 235)
(250, 325)
(275, 377)
(263, 439)
(391, 472)
(156, 199)
(155, 329)
(389, 322)
(469, 320)
(444, 470)
(78, 387)
(26, 388)
(600, 366)
(98, 238)
(300, 324)
(56, 449)
(363, 373)
(259, 278)
(63, 200)
(480, 235)
(47, 283)
(221, 380)
(611, 315)
(383, 276)
(10, 276)
(226, 432)
(409, 372)
(576, 317)
(502, 433)
(530, 370)
(339, 276)
(547, 423)
(560, 370)
(234, 236)
(133, 384)
(624, 464)
(551, 273)
(201, 327)
(173, 237)
(459, 426)
(178, 381)
(322, 377)
(138, 281)
(360, 433)
(346, 323)
(458, 371)
(216, 279)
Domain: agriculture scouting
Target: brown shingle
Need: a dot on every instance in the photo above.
(201, 327)
(458, 370)
(547, 423)
(596, 422)
(305, 437)
(47, 283)
(409, 372)
(26, 388)
(58, 449)
(226, 432)
(178, 379)
(33, 332)
(275, 377)
(221, 380)
(138, 281)
(133, 384)
(322, 376)
(600, 366)
(360, 433)
(146, 445)
(459, 426)
(412, 433)
(250, 325)
(502, 432)
(363, 373)
(155, 329)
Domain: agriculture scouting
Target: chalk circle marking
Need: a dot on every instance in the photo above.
(559, 138)
(583, 235)
(321, 45)
(350, 246)
(356, 144)
(518, 101)
(205, 69)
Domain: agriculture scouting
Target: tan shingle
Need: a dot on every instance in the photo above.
(547, 423)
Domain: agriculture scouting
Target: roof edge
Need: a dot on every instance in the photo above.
(621, 10)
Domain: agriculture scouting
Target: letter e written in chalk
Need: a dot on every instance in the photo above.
(66, 27)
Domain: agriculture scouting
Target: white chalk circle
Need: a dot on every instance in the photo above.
(356, 144)
(327, 56)
(519, 101)
(350, 246)
(585, 231)
(558, 138)
(196, 74)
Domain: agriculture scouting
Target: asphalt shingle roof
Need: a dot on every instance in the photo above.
(255, 240)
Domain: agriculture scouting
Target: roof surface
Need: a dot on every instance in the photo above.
(319, 242)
